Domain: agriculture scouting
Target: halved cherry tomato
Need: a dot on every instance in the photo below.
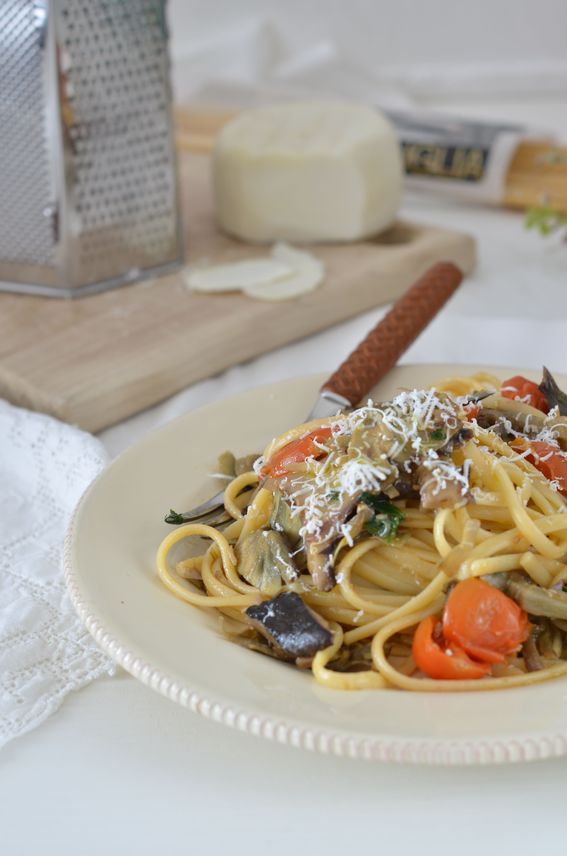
(521, 389)
(296, 452)
(472, 410)
(483, 621)
(545, 458)
(437, 661)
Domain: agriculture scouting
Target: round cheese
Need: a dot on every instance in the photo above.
(310, 171)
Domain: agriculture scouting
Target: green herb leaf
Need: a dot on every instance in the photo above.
(174, 518)
(333, 495)
(545, 220)
(387, 517)
(379, 505)
(373, 501)
(438, 435)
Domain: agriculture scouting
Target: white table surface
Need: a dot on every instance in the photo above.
(118, 767)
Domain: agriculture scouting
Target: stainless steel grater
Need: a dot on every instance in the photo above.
(88, 183)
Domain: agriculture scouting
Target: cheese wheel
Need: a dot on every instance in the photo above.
(309, 171)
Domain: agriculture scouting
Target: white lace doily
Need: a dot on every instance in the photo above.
(44, 649)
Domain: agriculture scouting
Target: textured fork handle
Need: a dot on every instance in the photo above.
(393, 335)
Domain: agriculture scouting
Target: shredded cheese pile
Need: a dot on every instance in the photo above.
(341, 477)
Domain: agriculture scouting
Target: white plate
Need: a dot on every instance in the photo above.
(177, 650)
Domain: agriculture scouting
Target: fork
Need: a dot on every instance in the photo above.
(371, 360)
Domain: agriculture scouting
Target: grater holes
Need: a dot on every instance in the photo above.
(117, 130)
(26, 235)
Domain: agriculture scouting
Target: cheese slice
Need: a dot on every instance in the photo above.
(303, 280)
(307, 273)
(238, 275)
(288, 273)
(309, 171)
(295, 258)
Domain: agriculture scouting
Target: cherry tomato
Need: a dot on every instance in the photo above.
(472, 410)
(521, 389)
(483, 621)
(546, 458)
(439, 661)
(296, 452)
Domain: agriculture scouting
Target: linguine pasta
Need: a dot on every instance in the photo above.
(374, 519)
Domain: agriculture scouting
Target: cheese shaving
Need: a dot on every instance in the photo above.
(287, 274)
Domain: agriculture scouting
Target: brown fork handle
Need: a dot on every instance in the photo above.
(393, 335)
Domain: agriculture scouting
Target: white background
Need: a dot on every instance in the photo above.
(382, 32)
(488, 46)
(120, 769)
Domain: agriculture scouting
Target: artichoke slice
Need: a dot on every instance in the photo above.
(535, 599)
(283, 520)
(264, 560)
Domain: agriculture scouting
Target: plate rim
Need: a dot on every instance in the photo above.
(341, 742)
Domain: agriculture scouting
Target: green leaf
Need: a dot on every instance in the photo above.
(438, 435)
(174, 518)
(380, 505)
(387, 517)
(545, 220)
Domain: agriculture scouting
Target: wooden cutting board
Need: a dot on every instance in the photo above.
(96, 360)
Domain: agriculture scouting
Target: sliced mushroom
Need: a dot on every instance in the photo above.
(530, 651)
(292, 629)
(497, 421)
(319, 545)
(263, 559)
(404, 487)
(320, 565)
(434, 496)
(462, 436)
(357, 523)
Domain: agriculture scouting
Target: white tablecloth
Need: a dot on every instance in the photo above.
(121, 768)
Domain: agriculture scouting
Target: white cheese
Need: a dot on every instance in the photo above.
(283, 252)
(287, 274)
(237, 275)
(311, 171)
(300, 282)
(307, 272)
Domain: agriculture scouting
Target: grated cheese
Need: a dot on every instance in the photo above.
(400, 426)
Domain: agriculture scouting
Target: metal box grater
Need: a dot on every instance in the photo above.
(88, 179)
